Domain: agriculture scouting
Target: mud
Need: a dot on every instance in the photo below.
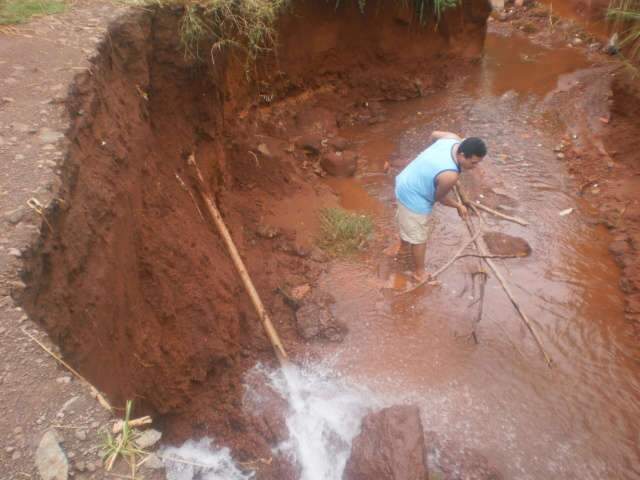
(130, 281)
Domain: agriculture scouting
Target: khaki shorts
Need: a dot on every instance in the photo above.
(412, 226)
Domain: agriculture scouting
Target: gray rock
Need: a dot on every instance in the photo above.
(50, 459)
(15, 216)
(153, 462)
(148, 438)
(316, 321)
(46, 135)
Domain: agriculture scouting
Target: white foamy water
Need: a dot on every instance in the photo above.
(324, 416)
(200, 460)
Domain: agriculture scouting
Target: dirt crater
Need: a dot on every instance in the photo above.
(131, 283)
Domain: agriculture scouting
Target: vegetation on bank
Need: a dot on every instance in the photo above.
(250, 24)
(625, 14)
(343, 232)
(20, 11)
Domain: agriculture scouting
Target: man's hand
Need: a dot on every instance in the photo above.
(462, 211)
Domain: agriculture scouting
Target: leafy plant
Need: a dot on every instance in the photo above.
(343, 232)
(19, 11)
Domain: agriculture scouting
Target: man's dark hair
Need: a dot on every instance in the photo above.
(472, 146)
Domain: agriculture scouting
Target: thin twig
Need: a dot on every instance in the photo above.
(101, 400)
(441, 269)
(517, 220)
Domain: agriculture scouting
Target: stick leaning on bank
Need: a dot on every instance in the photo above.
(210, 204)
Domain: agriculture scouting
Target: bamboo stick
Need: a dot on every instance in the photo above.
(506, 288)
(270, 330)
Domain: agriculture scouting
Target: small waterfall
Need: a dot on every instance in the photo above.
(325, 412)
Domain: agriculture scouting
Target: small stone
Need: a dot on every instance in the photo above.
(267, 231)
(91, 467)
(14, 252)
(7, 100)
(17, 430)
(80, 466)
(577, 41)
(148, 438)
(46, 135)
(560, 156)
(264, 150)
(81, 435)
(50, 459)
(16, 455)
(9, 449)
(63, 380)
(153, 462)
(15, 216)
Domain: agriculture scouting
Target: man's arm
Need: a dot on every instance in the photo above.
(444, 184)
(437, 135)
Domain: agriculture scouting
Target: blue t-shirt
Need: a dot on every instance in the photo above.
(416, 184)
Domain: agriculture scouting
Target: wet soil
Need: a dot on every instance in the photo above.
(130, 281)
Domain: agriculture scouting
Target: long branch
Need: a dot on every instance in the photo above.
(506, 289)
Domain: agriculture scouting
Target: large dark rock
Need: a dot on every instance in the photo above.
(315, 321)
(502, 244)
(390, 447)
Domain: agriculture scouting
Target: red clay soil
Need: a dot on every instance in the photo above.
(131, 282)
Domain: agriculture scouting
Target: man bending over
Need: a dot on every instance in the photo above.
(427, 180)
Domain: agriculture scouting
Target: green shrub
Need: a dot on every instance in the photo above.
(19, 11)
(343, 232)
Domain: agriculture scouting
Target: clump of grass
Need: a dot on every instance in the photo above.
(625, 15)
(20, 11)
(343, 232)
(123, 444)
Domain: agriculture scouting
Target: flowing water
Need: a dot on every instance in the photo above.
(578, 420)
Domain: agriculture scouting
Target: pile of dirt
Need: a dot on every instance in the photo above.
(131, 281)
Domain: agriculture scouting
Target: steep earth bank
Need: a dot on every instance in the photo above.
(129, 280)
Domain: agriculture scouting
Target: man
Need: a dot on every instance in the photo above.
(427, 180)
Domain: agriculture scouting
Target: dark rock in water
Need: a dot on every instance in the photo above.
(315, 321)
(503, 244)
(311, 143)
(339, 164)
(450, 461)
(390, 447)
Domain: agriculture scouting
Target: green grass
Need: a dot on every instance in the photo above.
(249, 25)
(625, 15)
(343, 232)
(20, 11)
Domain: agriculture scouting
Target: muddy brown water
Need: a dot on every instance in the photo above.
(577, 420)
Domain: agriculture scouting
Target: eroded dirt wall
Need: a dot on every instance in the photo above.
(132, 283)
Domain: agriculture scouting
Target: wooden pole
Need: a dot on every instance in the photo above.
(270, 330)
(506, 288)
(475, 206)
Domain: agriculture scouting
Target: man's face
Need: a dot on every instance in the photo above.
(469, 163)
